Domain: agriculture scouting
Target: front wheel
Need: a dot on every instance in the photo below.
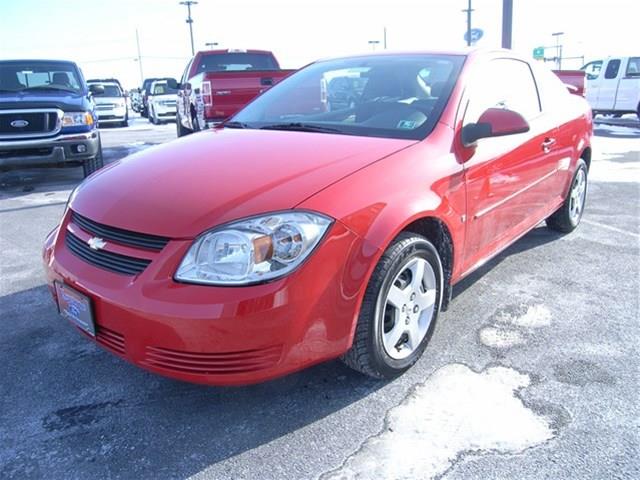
(93, 164)
(568, 216)
(399, 309)
(181, 131)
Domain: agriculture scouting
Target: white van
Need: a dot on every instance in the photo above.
(613, 85)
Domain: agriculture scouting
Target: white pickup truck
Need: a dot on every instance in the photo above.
(613, 85)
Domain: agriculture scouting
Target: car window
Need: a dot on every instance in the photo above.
(592, 69)
(384, 96)
(109, 91)
(18, 75)
(503, 83)
(612, 69)
(237, 61)
(550, 88)
(633, 67)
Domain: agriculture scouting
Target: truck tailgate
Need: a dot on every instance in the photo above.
(224, 93)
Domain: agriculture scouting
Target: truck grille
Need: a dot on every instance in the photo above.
(106, 106)
(29, 123)
(113, 262)
(119, 235)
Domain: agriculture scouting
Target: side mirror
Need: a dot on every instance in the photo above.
(96, 88)
(172, 83)
(494, 122)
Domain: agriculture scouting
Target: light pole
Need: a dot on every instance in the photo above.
(373, 44)
(468, 11)
(211, 44)
(558, 49)
(188, 3)
(507, 22)
(139, 59)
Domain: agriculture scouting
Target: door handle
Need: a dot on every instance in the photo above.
(547, 144)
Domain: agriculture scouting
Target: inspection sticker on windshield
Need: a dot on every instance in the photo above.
(406, 124)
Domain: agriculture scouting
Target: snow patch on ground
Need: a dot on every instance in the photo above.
(500, 338)
(456, 411)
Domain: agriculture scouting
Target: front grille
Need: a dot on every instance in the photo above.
(26, 152)
(119, 235)
(105, 106)
(37, 123)
(113, 262)
(110, 340)
(213, 363)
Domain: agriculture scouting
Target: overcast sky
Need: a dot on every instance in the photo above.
(101, 35)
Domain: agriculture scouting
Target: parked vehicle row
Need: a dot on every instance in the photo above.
(111, 103)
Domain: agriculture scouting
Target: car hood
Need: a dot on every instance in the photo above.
(192, 184)
(68, 102)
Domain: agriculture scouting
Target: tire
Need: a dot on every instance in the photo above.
(93, 164)
(151, 117)
(124, 123)
(181, 131)
(568, 216)
(380, 321)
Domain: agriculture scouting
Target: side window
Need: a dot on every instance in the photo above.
(633, 67)
(592, 69)
(612, 69)
(553, 93)
(503, 83)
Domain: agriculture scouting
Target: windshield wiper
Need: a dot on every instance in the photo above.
(301, 127)
(48, 87)
(235, 125)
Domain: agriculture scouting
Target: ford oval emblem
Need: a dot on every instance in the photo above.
(19, 123)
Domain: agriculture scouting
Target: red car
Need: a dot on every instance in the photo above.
(295, 234)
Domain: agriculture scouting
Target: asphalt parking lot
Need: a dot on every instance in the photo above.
(532, 373)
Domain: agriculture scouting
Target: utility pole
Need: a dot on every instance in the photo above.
(139, 57)
(188, 3)
(507, 22)
(385, 38)
(558, 49)
(468, 10)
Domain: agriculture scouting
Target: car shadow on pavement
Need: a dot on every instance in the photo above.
(104, 417)
(624, 132)
(537, 237)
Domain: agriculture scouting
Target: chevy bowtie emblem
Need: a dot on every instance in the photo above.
(96, 243)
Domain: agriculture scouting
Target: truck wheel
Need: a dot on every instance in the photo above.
(399, 309)
(568, 216)
(181, 131)
(93, 164)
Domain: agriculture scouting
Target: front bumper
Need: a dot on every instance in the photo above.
(165, 111)
(221, 335)
(113, 115)
(56, 151)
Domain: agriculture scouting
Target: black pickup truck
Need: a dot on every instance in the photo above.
(47, 116)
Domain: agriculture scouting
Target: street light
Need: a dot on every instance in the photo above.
(558, 49)
(373, 44)
(188, 3)
(211, 44)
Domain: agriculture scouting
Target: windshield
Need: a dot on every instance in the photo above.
(395, 96)
(20, 76)
(109, 91)
(233, 62)
(162, 89)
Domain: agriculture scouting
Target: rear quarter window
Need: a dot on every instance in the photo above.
(552, 91)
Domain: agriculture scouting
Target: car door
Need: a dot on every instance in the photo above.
(593, 74)
(609, 85)
(504, 172)
(628, 96)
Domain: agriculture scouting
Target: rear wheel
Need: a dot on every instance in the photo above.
(93, 164)
(399, 309)
(568, 216)
(181, 131)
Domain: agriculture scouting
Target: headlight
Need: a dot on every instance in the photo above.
(75, 119)
(253, 250)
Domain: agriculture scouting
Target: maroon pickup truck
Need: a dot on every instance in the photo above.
(218, 83)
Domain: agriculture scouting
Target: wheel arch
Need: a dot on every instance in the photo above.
(586, 156)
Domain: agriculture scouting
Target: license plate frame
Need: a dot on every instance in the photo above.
(75, 307)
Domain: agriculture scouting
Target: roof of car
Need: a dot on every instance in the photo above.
(466, 52)
(39, 60)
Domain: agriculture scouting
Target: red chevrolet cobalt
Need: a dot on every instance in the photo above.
(329, 218)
